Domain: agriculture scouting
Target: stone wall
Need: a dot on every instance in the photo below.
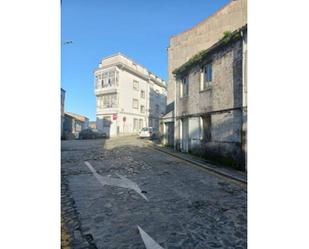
(202, 36)
(226, 90)
(222, 101)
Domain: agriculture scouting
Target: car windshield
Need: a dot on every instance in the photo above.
(147, 129)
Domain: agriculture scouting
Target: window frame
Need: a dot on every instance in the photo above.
(206, 76)
(135, 101)
(135, 88)
(142, 95)
(107, 101)
(142, 109)
(107, 79)
(184, 84)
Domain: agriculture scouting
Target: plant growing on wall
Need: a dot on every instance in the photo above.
(200, 56)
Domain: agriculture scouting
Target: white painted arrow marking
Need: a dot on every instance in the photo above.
(148, 241)
(123, 182)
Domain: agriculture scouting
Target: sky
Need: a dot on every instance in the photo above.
(140, 29)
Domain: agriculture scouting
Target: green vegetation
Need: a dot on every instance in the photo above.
(200, 56)
(65, 237)
(229, 36)
(212, 158)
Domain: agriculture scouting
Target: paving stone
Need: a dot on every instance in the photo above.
(187, 207)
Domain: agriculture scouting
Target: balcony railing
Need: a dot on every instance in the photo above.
(101, 90)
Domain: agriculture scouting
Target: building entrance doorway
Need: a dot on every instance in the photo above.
(184, 135)
(169, 126)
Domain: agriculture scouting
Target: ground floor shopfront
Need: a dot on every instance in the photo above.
(114, 124)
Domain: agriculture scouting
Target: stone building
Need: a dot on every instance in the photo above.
(74, 124)
(129, 96)
(62, 110)
(188, 43)
(211, 105)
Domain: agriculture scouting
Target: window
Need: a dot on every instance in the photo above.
(206, 77)
(98, 81)
(107, 121)
(142, 94)
(142, 109)
(184, 87)
(205, 128)
(135, 103)
(135, 85)
(107, 79)
(107, 101)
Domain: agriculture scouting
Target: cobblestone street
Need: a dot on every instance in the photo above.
(186, 207)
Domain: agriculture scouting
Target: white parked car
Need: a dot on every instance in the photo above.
(147, 132)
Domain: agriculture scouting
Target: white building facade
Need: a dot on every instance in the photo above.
(128, 96)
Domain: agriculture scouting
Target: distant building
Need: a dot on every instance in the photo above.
(128, 96)
(62, 109)
(74, 124)
(93, 124)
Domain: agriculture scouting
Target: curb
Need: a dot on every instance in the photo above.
(201, 165)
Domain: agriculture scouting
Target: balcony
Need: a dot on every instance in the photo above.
(106, 82)
(106, 90)
(111, 110)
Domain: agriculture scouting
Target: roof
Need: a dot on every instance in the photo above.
(227, 38)
(136, 63)
(76, 116)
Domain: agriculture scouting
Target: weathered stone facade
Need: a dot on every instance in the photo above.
(223, 104)
(226, 102)
(202, 36)
(62, 110)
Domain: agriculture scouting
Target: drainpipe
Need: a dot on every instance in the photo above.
(244, 47)
(175, 112)
(244, 100)
(147, 97)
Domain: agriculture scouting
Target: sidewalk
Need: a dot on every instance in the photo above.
(211, 166)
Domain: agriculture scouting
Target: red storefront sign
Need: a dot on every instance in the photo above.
(114, 116)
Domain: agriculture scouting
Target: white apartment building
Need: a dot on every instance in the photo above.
(128, 96)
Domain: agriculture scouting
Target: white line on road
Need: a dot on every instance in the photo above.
(123, 182)
(148, 241)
